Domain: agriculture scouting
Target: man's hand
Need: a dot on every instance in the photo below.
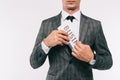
(57, 37)
(82, 52)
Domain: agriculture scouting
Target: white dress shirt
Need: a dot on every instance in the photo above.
(74, 26)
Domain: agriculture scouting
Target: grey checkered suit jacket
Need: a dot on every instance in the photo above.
(63, 66)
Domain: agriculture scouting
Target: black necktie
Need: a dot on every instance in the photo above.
(70, 18)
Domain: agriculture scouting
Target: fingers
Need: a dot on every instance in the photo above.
(62, 41)
(82, 52)
(63, 37)
(79, 44)
(75, 55)
(79, 47)
(76, 51)
(62, 32)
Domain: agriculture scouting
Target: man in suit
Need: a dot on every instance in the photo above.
(76, 63)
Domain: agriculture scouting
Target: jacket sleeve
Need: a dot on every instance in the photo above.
(103, 56)
(38, 56)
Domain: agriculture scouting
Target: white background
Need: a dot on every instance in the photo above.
(20, 22)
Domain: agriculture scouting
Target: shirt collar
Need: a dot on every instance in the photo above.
(77, 15)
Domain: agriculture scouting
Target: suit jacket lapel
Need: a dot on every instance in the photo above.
(83, 28)
(57, 21)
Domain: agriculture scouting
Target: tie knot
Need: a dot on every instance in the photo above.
(70, 18)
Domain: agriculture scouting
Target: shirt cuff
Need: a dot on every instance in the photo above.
(45, 48)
